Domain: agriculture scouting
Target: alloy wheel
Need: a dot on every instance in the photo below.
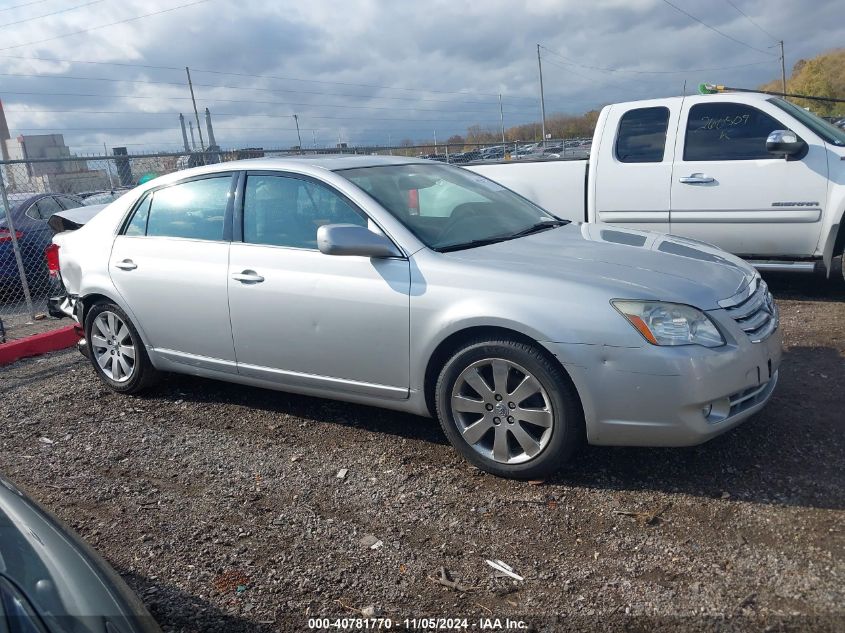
(502, 411)
(113, 346)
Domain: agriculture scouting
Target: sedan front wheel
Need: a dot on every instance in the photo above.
(509, 409)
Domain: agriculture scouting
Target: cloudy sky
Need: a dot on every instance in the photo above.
(372, 71)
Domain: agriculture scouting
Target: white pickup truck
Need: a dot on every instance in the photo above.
(753, 174)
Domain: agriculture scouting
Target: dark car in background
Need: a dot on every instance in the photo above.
(101, 197)
(29, 217)
(53, 582)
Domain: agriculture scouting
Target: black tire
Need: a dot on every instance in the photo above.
(559, 397)
(143, 374)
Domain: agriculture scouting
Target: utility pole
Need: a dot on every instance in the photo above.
(108, 166)
(502, 121)
(314, 137)
(542, 97)
(435, 142)
(196, 113)
(13, 236)
(296, 120)
(782, 67)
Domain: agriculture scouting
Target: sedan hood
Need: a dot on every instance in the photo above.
(630, 264)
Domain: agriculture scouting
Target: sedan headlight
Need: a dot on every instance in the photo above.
(670, 323)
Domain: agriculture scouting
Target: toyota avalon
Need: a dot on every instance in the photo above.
(422, 287)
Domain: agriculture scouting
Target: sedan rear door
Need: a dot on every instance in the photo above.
(169, 264)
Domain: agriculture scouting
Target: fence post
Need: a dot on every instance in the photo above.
(10, 222)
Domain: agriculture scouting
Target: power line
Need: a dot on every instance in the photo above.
(273, 77)
(102, 26)
(212, 101)
(606, 69)
(223, 87)
(341, 83)
(20, 6)
(747, 17)
(47, 15)
(714, 29)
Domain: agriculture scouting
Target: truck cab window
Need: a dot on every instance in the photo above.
(642, 135)
(728, 131)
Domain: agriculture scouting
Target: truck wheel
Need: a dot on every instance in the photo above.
(116, 350)
(508, 409)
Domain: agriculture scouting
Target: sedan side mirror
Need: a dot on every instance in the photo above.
(351, 239)
(785, 143)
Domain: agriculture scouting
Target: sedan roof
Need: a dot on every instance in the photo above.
(332, 162)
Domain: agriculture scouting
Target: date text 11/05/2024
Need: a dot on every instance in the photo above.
(418, 624)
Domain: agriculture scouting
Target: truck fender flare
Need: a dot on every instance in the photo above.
(834, 244)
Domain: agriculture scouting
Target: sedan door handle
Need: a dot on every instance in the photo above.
(248, 277)
(126, 264)
(697, 179)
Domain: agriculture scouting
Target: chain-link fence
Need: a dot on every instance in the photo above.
(31, 191)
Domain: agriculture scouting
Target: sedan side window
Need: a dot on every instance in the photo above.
(69, 203)
(32, 212)
(287, 211)
(728, 131)
(47, 207)
(194, 209)
(138, 224)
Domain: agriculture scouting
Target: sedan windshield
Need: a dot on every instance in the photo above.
(449, 208)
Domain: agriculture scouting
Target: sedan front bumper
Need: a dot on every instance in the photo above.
(670, 396)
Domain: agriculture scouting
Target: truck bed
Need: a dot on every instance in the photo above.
(556, 185)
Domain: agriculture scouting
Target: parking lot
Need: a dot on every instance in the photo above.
(222, 507)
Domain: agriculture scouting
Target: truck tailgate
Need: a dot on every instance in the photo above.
(558, 186)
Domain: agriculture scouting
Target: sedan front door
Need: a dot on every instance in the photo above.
(304, 319)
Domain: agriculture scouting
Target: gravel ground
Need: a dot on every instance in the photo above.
(222, 507)
(20, 325)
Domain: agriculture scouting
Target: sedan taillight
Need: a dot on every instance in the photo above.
(51, 254)
(6, 236)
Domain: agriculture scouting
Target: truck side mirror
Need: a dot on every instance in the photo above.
(785, 143)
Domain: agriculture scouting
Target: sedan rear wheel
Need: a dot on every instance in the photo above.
(509, 409)
(113, 347)
(116, 350)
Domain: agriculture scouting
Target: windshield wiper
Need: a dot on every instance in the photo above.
(472, 244)
(540, 226)
(534, 228)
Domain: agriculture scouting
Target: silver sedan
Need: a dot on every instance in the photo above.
(423, 287)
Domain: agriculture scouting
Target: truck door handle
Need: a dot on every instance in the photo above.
(697, 179)
(248, 277)
(126, 264)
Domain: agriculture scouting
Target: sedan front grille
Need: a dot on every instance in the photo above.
(752, 396)
(756, 314)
